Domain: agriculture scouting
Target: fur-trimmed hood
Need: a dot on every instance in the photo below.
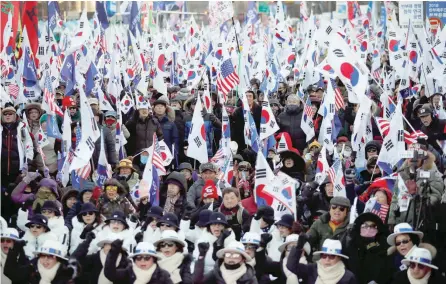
(391, 250)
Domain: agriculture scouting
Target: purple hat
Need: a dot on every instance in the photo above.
(51, 184)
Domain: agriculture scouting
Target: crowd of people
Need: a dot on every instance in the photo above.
(195, 228)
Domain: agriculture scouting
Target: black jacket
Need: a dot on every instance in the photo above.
(237, 122)
(215, 277)
(186, 275)
(265, 267)
(435, 131)
(15, 261)
(126, 275)
(435, 278)
(289, 121)
(110, 147)
(141, 133)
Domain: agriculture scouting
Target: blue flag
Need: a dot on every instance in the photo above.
(29, 69)
(251, 16)
(269, 143)
(135, 19)
(154, 188)
(102, 15)
(68, 74)
(254, 136)
(52, 128)
(173, 70)
(90, 76)
(53, 11)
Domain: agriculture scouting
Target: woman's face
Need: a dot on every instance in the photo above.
(289, 163)
(86, 196)
(125, 171)
(403, 244)
(116, 226)
(71, 201)
(230, 200)
(329, 189)
(143, 113)
(251, 249)
(217, 229)
(168, 248)
(368, 229)
(144, 262)
(88, 217)
(47, 261)
(48, 214)
(418, 271)
(187, 174)
(112, 192)
(329, 260)
(33, 114)
(381, 197)
(284, 231)
(153, 223)
(172, 190)
(36, 230)
(6, 245)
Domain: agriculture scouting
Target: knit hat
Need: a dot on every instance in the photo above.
(207, 167)
(209, 190)
(51, 184)
(373, 144)
(52, 206)
(314, 144)
(177, 179)
(185, 166)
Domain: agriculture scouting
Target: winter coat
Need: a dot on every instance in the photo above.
(215, 276)
(131, 180)
(170, 133)
(289, 121)
(436, 187)
(141, 133)
(180, 123)
(435, 278)
(396, 257)
(21, 260)
(56, 225)
(91, 263)
(72, 213)
(307, 273)
(320, 231)
(239, 221)
(50, 151)
(106, 206)
(207, 237)
(75, 240)
(273, 246)
(110, 147)
(265, 267)
(237, 122)
(69, 193)
(185, 270)
(17, 147)
(194, 192)
(434, 132)
(126, 133)
(33, 244)
(126, 275)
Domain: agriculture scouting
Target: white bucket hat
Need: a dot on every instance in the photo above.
(107, 239)
(51, 247)
(421, 256)
(145, 248)
(333, 247)
(294, 238)
(10, 233)
(234, 247)
(402, 228)
(170, 236)
(251, 238)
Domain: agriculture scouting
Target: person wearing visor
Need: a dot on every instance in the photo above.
(432, 126)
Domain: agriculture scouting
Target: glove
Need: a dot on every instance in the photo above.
(349, 175)
(411, 186)
(188, 213)
(133, 218)
(265, 239)
(86, 230)
(71, 269)
(139, 237)
(203, 248)
(90, 236)
(46, 172)
(30, 177)
(221, 239)
(117, 244)
(260, 212)
(303, 238)
(29, 202)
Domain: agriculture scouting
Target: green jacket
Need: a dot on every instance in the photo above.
(320, 231)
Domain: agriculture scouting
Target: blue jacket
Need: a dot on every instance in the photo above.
(170, 133)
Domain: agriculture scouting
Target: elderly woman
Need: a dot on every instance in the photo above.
(173, 199)
(114, 199)
(118, 224)
(36, 233)
(237, 216)
(403, 242)
(9, 236)
(48, 267)
(329, 269)
(421, 269)
(144, 269)
(88, 220)
(126, 171)
(170, 250)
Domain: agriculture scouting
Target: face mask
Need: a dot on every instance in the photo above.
(292, 107)
(144, 159)
(109, 121)
(124, 176)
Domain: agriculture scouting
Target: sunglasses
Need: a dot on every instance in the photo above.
(72, 108)
(142, 257)
(35, 226)
(8, 114)
(251, 247)
(166, 244)
(232, 255)
(165, 225)
(402, 242)
(413, 265)
(8, 241)
(47, 211)
(111, 188)
(366, 226)
(341, 208)
(47, 256)
(329, 256)
(87, 213)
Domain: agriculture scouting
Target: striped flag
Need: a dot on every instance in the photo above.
(227, 79)
(49, 99)
(383, 126)
(157, 158)
(219, 156)
(308, 109)
(339, 99)
(377, 208)
(411, 138)
(85, 171)
(336, 176)
(13, 90)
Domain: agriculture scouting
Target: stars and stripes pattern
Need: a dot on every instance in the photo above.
(157, 160)
(383, 126)
(339, 99)
(85, 171)
(308, 109)
(380, 210)
(227, 79)
(219, 156)
(48, 96)
(13, 90)
(410, 138)
(333, 170)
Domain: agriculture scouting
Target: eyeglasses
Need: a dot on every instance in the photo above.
(165, 225)
(251, 247)
(402, 242)
(232, 255)
(49, 256)
(87, 213)
(329, 256)
(166, 244)
(368, 227)
(72, 108)
(8, 241)
(142, 257)
(35, 226)
(45, 211)
(420, 266)
(341, 208)
(8, 114)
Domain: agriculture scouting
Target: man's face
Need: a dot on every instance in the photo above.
(338, 213)
(9, 116)
(160, 109)
(250, 98)
(282, 88)
(143, 113)
(208, 175)
(436, 101)
(329, 189)
(187, 174)
(426, 120)
(125, 171)
(72, 110)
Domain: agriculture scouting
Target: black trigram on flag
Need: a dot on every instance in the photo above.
(197, 141)
(388, 145)
(81, 25)
(329, 30)
(282, 145)
(272, 124)
(261, 173)
(392, 34)
(338, 187)
(397, 56)
(262, 129)
(90, 143)
(338, 53)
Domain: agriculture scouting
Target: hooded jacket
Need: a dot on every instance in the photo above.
(110, 147)
(289, 121)
(215, 276)
(141, 133)
(69, 193)
(170, 132)
(106, 206)
(72, 213)
(181, 202)
(78, 228)
(237, 122)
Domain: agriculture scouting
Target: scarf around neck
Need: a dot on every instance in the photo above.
(291, 278)
(172, 265)
(143, 276)
(4, 280)
(169, 206)
(330, 275)
(47, 275)
(231, 276)
(102, 256)
(423, 280)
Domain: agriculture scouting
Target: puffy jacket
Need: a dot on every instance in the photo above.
(76, 240)
(435, 278)
(215, 276)
(110, 147)
(141, 133)
(320, 231)
(33, 244)
(273, 246)
(170, 133)
(289, 121)
(237, 122)
(76, 208)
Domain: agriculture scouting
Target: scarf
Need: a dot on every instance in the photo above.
(330, 275)
(171, 264)
(252, 262)
(102, 256)
(4, 280)
(291, 278)
(169, 206)
(47, 275)
(143, 276)
(231, 276)
(423, 280)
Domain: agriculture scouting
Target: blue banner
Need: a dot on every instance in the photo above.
(436, 9)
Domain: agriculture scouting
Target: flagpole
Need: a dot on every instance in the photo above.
(238, 49)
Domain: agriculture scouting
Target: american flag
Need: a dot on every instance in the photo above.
(85, 171)
(336, 176)
(383, 126)
(48, 96)
(156, 158)
(13, 90)
(308, 109)
(381, 210)
(411, 138)
(333, 170)
(377, 74)
(219, 156)
(227, 79)
(339, 99)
